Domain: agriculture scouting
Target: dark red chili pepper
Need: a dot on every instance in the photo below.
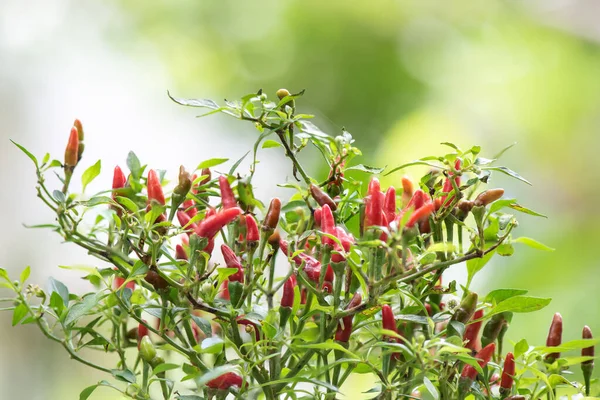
(318, 216)
(420, 215)
(321, 197)
(155, 191)
(252, 235)
(472, 330)
(225, 381)
(214, 223)
(142, 331)
(184, 183)
(72, 149)
(227, 196)
(587, 366)
(488, 197)
(303, 296)
(274, 239)
(554, 337)
(287, 299)
(344, 328)
(388, 320)
(180, 253)
(508, 374)
(327, 225)
(272, 218)
(207, 175)
(232, 261)
(484, 356)
(407, 190)
(389, 204)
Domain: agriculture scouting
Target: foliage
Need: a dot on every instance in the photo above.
(349, 252)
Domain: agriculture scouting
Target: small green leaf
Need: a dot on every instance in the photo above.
(521, 347)
(203, 324)
(19, 313)
(508, 172)
(497, 156)
(133, 163)
(127, 203)
(81, 308)
(139, 268)
(270, 144)
(59, 288)
(532, 243)
(237, 164)
(328, 345)
(87, 392)
(431, 388)
(4, 274)
(58, 196)
(213, 162)
(25, 274)
(476, 264)
(422, 161)
(521, 304)
(124, 375)
(90, 174)
(27, 153)
(366, 168)
(164, 367)
(206, 103)
(499, 295)
(212, 345)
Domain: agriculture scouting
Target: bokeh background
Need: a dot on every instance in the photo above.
(401, 76)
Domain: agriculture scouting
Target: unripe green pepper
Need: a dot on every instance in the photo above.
(147, 350)
(466, 309)
(492, 329)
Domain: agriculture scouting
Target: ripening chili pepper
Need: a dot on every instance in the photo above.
(466, 309)
(155, 191)
(420, 215)
(344, 328)
(227, 196)
(484, 356)
(492, 329)
(472, 330)
(80, 134)
(287, 299)
(232, 261)
(274, 240)
(587, 366)
(321, 197)
(389, 204)
(180, 253)
(327, 225)
(72, 149)
(488, 197)
(142, 331)
(272, 218)
(214, 223)
(225, 381)
(554, 337)
(252, 235)
(184, 183)
(407, 190)
(153, 278)
(508, 374)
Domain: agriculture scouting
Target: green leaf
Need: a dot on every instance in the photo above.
(508, 172)
(81, 308)
(127, 203)
(139, 268)
(497, 156)
(164, 367)
(270, 144)
(27, 153)
(512, 203)
(532, 243)
(521, 304)
(237, 164)
(499, 295)
(203, 324)
(366, 168)
(476, 264)
(86, 393)
(521, 347)
(123, 375)
(25, 274)
(58, 196)
(431, 388)
(212, 345)
(328, 345)
(90, 174)
(213, 162)
(569, 346)
(422, 161)
(4, 274)
(19, 313)
(59, 288)
(206, 103)
(133, 163)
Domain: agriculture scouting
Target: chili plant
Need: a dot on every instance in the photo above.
(359, 287)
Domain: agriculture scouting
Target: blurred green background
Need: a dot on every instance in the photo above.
(401, 76)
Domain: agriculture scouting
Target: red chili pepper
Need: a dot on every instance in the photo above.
(318, 216)
(484, 356)
(252, 235)
(207, 176)
(487, 197)
(224, 292)
(508, 374)
(374, 204)
(189, 206)
(327, 225)
(119, 281)
(321, 197)
(155, 191)
(417, 200)
(214, 223)
(588, 351)
(407, 190)
(227, 196)
(272, 218)
(387, 318)
(447, 188)
(472, 330)
(184, 220)
(180, 253)
(119, 181)
(142, 331)
(554, 337)
(420, 214)
(232, 261)
(344, 328)
(389, 205)
(225, 381)
(72, 149)
(287, 299)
